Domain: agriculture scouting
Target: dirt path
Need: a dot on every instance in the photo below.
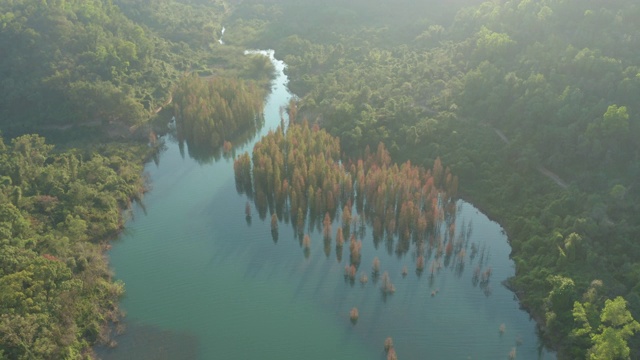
(543, 170)
(553, 176)
(502, 136)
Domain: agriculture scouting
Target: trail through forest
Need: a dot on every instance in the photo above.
(543, 170)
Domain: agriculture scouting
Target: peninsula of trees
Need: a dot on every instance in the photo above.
(210, 112)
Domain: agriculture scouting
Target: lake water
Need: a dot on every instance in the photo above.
(204, 283)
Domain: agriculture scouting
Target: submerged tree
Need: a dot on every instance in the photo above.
(420, 263)
(354, 315)
(306, 242)
(355, 246)
(326, 226)
(339, 238)
(376, 265)
(388, 344)
(301, 168)
(386, 285)
(391, 355)
(364, 278)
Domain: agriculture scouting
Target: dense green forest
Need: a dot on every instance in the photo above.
(108, 64)
(66, 62)
(57, 212)
(89, 73)
(532, 103)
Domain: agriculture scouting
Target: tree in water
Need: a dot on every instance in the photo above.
(355, 246)
(420, 264)
(209, 111)
(326, 226)
(339, 238)
(387, 286)
(242, 171)
(388, 344)
(353, 315)
(350, 272)
(346, 217)
(364, 278)
(391, 355)
(227, 146)
(376, 265)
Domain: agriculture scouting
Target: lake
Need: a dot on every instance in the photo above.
(203, 282)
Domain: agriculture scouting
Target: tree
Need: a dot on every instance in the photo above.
(326, 229)
(52, 267)
(613, 125)
(616, 120)
(617, 325)
(559, 304)
(346, 217)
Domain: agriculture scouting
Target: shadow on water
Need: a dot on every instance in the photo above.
(142, 342)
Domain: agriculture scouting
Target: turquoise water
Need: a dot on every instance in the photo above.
(204, 283)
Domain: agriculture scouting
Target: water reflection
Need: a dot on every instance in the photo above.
(447, 248)
(194, 264)
(205, 152)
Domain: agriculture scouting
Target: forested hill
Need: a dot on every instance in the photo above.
(73, 67)
(92, 62)
(76, 61)
(558, 79)
(57, 211)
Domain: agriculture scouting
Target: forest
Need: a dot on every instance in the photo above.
(58, 211)
(532, 104)
(106, 65)
(94, 79)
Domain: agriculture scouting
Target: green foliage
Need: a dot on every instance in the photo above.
(604, 337)
(109, 64)
(194, 22)
(75, 62)
(56, 211)
(558, 80)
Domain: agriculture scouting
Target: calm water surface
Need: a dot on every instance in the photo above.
(204, 283)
